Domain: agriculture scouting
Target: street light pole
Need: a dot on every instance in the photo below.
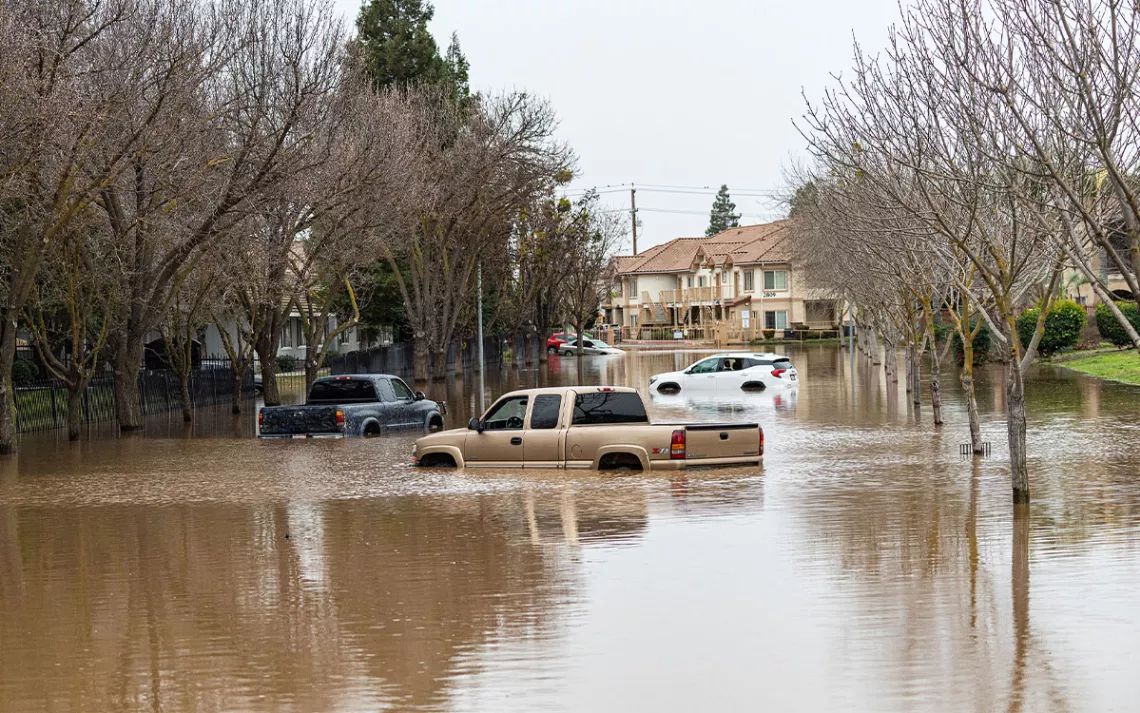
(482, 361)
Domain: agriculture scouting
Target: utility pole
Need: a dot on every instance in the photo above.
(482, 362)
(633, 215)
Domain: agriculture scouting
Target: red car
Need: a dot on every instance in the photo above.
(556, 341)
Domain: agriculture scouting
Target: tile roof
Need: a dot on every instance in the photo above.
(747, 244)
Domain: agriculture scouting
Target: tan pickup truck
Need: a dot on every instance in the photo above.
(600, 427)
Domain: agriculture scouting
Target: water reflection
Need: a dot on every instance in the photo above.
(205, 570)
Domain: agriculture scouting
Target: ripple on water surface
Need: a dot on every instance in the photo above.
(864, 566)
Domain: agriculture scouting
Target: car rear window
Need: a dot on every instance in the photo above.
(342, 391)
(782, 364)
(609, 407)
(544, 413)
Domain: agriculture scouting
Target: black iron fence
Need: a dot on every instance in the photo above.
(41, 404)
(399, 359)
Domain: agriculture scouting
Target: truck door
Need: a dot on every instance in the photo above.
(501, 442)
(404, 415)
(542, 441)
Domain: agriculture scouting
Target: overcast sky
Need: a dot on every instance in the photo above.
(667, 92)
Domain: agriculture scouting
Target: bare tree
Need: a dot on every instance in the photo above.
(595, 235)
(68, 311)
(64, 135)
(924, 125)
(478, 170)
(235, 126)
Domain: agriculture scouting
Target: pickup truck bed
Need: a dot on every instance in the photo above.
(587, 427)
(358, 405)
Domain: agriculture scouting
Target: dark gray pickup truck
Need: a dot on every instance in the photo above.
(357, 405)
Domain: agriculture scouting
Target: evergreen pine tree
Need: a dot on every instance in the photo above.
(396, 45)
(455, 68)
(721, 217)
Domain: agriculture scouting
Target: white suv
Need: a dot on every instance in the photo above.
(731, 372)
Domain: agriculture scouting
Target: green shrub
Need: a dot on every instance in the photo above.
(24, 372)
(943, 330)
(286, 362)
(1063, 327)
(1110, 329)
(981, 345)
(769, 333)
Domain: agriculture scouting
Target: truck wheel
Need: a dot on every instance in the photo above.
(619, 461)
(372, 429)
(435, 424)
(437, 460)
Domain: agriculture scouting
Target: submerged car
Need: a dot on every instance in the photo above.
(729, 373)
(556, 341)
(353, 405)
(590, 347)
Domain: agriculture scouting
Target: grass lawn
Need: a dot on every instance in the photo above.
(1121, 365)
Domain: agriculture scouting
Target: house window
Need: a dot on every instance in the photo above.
(344, 335)
(776, 320)
(287, 335)
(701, 281)
(775, 279)
(689, 281)
(749, 280)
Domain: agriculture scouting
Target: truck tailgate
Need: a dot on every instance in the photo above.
(299, 422)
(723, 440)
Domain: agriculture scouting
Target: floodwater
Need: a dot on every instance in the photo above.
(865, 567)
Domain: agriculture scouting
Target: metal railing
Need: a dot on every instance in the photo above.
(41, 404)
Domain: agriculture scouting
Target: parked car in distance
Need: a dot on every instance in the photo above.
(557, 340)
(357, 405)
(728, 373)
(590, 347)
(599, 427)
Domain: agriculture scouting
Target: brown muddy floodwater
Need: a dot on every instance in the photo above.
(865, 567)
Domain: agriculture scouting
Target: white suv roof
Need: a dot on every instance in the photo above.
(756, 355)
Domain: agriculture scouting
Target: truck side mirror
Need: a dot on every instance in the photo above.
(420, 396)
(475, 425)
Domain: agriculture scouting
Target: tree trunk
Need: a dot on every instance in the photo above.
(420, 355)
(439, 364)
(7, 389)
(916, 377)
(909, 366)
(967, 377)
(519, 355)
(972, 412)
(935, 383)
(184, 393)
(125, 362)
(312, 371)
(75, 411)
(235, 392)
(1015, 419)
(266, 349)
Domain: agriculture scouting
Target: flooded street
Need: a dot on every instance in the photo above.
(864, 567)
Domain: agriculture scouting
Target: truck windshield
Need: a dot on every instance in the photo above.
(609, 407)
(342, 391)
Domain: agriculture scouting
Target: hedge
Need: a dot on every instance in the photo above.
(1110, 329)
(1063, 327)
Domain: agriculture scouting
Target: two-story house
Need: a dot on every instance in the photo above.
(743, 278)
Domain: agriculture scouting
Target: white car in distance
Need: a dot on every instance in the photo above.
(590, 347)
(728, 373)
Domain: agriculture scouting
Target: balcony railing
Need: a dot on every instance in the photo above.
(697, 294)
